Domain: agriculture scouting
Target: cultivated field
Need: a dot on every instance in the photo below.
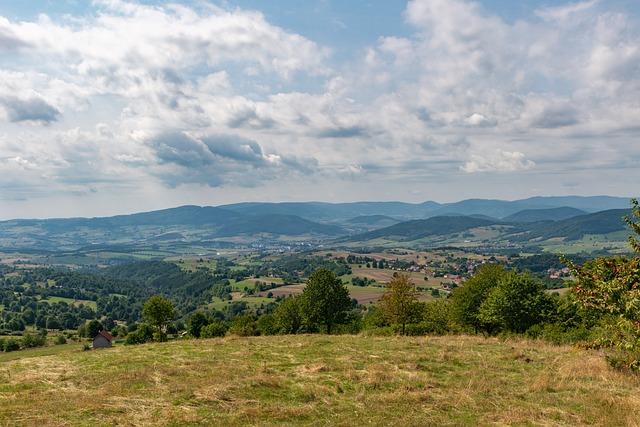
(319, 380)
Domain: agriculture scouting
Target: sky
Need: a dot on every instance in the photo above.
(116, 106)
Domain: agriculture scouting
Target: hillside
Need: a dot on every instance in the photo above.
(577, 227)
(536, 215)
(317, 380)
(417, 229)
(291, 225)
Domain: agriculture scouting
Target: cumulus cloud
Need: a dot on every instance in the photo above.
(147, 95)
(218, 159)
(498, 161)
(35, 110)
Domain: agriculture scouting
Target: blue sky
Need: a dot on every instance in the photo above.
(119, 105)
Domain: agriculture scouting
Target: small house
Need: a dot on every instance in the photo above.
(102, 340)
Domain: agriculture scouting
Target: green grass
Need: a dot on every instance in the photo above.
(319, 380)
(71, 301)
(39, 351)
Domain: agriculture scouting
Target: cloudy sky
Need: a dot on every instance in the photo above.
(115, 106)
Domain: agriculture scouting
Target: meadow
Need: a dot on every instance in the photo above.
(318, 380)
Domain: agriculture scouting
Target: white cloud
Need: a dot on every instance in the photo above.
(83, 97)
(499, 161)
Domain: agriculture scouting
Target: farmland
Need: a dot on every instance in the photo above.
(318, 380)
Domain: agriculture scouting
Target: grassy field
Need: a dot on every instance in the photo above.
(71, 301)
(319, 380)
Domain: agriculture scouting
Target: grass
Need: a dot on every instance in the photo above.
(319, 380)
(39, 351)
(71, 301)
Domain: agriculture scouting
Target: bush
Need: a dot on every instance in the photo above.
(214, 329)
(60, 339)
(243, 326)
(267, 325)
(31, 340)
(11, 345)
(288, 316)
(141, 335)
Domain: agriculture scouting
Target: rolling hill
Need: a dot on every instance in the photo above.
(319, 211)
(536, 215)
(418, 229)
(185, 226)
(577, 227)
(290, 225)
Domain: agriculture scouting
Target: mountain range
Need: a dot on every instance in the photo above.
(535, 218)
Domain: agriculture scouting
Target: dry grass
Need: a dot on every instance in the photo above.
(320, 380)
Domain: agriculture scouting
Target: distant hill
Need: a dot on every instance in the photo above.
(536, 215)
(418, 229)
(183, 215)
(190, 226)
(370, 219)
(577, 227)
(290, 225)
(319, 211)
(504, 208)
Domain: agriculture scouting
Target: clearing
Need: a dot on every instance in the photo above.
(319, 380)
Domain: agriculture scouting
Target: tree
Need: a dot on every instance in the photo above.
(92, 328)
(610, 287)
(399, 302)
(325, 300)
(158, 312)
(466, 300)
(516, 303)
(196, 322)
(288, 316)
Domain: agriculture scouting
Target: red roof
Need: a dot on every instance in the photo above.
(107, 335)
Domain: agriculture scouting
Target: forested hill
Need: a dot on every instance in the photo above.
(553, 214)
(417, 229)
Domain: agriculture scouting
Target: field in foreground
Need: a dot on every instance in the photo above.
(319, 380)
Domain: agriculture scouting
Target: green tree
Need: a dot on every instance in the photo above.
(288, 316)
(158, 312)
(436, 317)
(91, 329)
(399, 303)
(325, 300)
(610, 287)
(516, 303)
(196, 322)
(466, 300)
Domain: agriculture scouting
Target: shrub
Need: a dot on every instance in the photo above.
(243, 326)
(141, 335)
(11, 345)
(267, 325)
(31, 340)
(60, 339)
(214, 329)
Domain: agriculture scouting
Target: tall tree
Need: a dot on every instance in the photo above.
(466, 300)
(400, 301)
(516, 303)
(196, 322)
(158, 312)
(325, 300)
